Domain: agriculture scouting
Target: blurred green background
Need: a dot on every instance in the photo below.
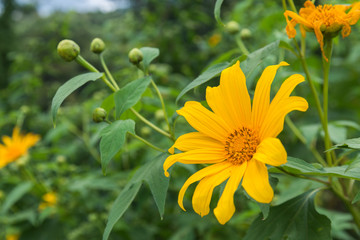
(189, 39)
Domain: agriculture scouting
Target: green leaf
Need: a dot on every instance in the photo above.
(295, 219)
(15, 195)
(354, 164)
(254, 59)
(152, 173)
(129, 95)
(204, 77)
(149, 54)
(113, 138)
(217, 11)
(298, 166)
(287, 46)
(67, 88)
(356, 198)
(108, 103)
(120, 205)
(337, 133)
(353, 143)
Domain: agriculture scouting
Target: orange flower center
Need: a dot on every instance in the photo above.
(241, 145)
(328, 15)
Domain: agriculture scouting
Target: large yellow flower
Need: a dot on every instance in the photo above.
(17, 146)
(238, 141)
(323, 19)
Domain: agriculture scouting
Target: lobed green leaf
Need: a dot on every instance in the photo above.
(69, 87)
(112, 139)
(295, 219)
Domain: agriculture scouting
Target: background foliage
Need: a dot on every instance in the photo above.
(67, 158)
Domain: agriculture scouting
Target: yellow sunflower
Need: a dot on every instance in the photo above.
(236, 139)
(17, 146)
(323, 19)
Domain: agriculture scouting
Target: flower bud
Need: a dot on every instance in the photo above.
(97, 45)
(145, 131)
(99, 115)
(245, 33)
(232, 27)
(68, 50)
(135, 56)
(159, 114)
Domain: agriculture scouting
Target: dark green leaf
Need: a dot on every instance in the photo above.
(153, 173)
(254, 59)
(353, 143)
(217, 11)
(113, 138)
(298, 166)
(15, 195)
(67, 88)
(204, 77)
(149, 55)
(120, 205)
(129, 95)
(295, 219)
(356, 198)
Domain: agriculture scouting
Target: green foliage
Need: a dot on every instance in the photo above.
(15, 195)
(217, 11)
(108, 145)
(128, 96)
(295, 219)
(149, 55)
(69, 87)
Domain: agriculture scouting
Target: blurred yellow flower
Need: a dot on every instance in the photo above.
(16, 146)
(12, 237)
(238, 141)
(323, 19)
(49, 200)
(214, 40)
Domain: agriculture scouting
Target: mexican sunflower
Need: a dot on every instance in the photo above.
(16, 147)
(323, 19)
(235, 138)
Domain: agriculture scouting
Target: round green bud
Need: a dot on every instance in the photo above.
(245, 33)
(232, 27)
(135, 56)
(68, 50)
(99, 115)
(145, 131)
(97, 45)
(159, 114)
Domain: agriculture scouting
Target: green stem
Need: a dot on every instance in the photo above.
(79, 59)
(150, 124)
(349, 206)
(108, 73)
(39, 185)
(326, 66)
(299, 135)
(241, 45)
(146, 142)
(292, 6)
(163, 108)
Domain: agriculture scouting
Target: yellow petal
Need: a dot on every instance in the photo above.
(274, 122)
(320, 37)
(198, 156)
(203, 192)
(256, 182)
(205, 121)
(261, 100)
(230, 99)
(6, 140)
(271, 151)
(195, 140)
(225, 208)
(210, 170)
(290, 27)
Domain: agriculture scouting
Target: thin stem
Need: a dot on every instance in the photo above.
(150, 124)
(163, 108)
(299, 135)
(326, 67)
(108, 73)
(79, 59)
(241, 45)
(304, 177)
(146, 142)
(292, 5)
